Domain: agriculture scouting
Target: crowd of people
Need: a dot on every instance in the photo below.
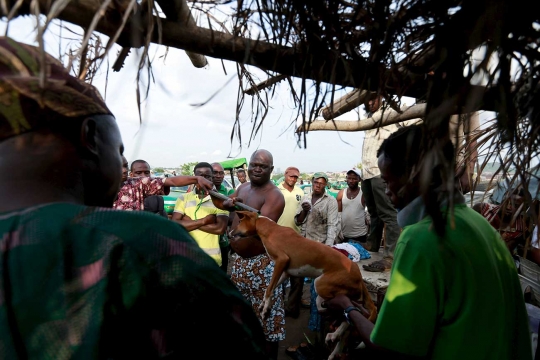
(88, 272)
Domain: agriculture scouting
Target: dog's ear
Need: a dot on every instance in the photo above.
(241, 214)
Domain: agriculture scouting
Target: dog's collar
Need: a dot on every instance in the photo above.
(260, 216)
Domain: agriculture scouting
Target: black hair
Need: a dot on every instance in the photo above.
(203, 165)
(241, 171)
(405, 149)
(137, 162)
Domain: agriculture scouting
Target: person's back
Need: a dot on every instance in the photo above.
(458, 296)
(91, 282)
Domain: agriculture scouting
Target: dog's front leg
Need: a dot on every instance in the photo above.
(342, 341)
(280, 264)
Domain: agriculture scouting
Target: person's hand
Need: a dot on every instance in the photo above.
(306, 206)
(231, 202)
(209, 219)
(339, 302)
(204, 185)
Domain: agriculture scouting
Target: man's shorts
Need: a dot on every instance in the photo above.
(252, 277)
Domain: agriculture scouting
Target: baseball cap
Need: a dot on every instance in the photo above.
(292, 171)
(318, 175)
(356, 171)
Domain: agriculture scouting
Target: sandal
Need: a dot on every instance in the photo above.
(378, 266)
(300, 352)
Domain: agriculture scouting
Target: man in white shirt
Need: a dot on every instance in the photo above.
(351, 213)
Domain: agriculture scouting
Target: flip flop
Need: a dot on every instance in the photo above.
(302, 352)
(372, 268)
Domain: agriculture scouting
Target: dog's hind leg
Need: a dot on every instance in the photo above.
(280, 264)
(336, 335)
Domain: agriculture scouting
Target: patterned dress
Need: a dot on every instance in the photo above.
(252, 276)
(91, 283)
(134, 190)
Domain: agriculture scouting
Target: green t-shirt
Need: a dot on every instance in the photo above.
(223, 190)
(456, 297)
(90, 283)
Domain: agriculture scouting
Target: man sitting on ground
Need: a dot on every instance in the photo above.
(79, 279)
(453, 288)
(196, 212)
(504, 219)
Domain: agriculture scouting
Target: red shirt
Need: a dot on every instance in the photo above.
(134, 190)
(509, 233)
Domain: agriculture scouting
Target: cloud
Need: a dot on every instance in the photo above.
(216, 152)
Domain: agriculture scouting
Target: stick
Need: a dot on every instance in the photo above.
(238, 204)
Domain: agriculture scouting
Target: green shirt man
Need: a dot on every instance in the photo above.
(456, 297)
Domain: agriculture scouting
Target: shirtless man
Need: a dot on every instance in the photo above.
(252, 268)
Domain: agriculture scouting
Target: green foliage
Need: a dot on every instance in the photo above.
(359, 166)
(159, 170)
(187, 168)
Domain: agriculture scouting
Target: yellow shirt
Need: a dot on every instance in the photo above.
(292, 200)
(191, 205)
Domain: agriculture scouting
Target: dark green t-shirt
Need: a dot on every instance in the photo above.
(456, 297)
(92, 283)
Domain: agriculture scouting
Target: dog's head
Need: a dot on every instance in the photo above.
(246, 226)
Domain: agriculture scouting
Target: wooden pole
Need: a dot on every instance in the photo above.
(381, 119)
(178, 10)
(346, 103)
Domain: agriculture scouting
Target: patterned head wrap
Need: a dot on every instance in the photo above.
(25, 105)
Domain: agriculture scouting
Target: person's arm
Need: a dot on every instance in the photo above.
(217, 228)
(302, 211)
(363, 200)
(332, 222)
(199, 181)
(363, 326)
(190, 224)
(273, 205)
(339, 199)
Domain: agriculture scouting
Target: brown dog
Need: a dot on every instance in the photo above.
(294, 255)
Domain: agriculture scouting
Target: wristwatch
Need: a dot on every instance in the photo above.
(348, 310)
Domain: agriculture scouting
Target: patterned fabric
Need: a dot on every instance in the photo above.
(191, 205)
(252, 277)
(27, 104)
(508, 234)
(321, 222)
(92, 283)
(134, 190)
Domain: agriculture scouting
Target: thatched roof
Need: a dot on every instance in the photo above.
(418, 48)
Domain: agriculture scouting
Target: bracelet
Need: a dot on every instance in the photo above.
(348, 310)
